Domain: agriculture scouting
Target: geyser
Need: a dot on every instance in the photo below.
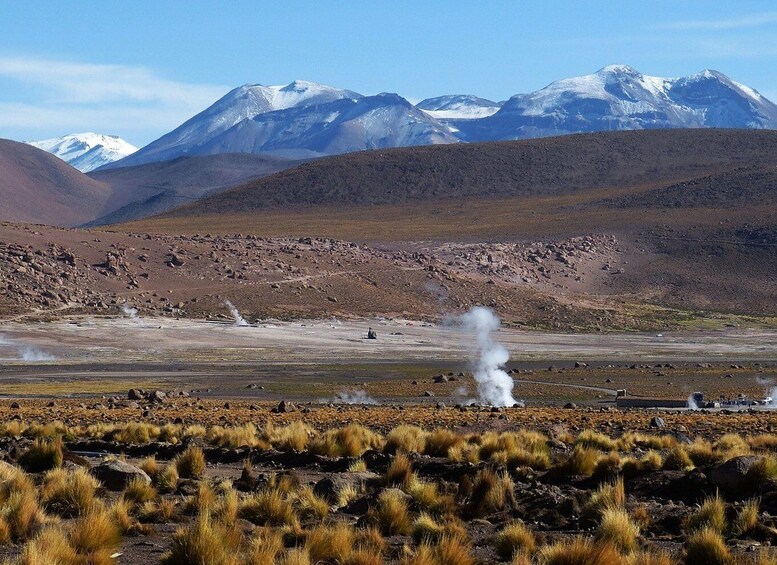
(494, 385)
(239, 320)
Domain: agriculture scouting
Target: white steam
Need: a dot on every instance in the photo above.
(692, 403)
(130, 312)
(28, 353)
(494, 385)
(239, 320)
(354, 397)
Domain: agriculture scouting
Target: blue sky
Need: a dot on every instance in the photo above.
(138, 69)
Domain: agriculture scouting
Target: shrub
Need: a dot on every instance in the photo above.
(706, 546)
(747, 517)
(204, 541)
(69, 494)
(710, 515)
(595, 440)
(265, 546)
(607, 496)
(95, 532)
(454, 550)
(391, 514)
(582, 461)
(330, 543)
(426, 529)
(440, 441)
(269, 508)
(350, 441)
(579, 551)
(309, 504)
(400, 472)
(191, 463)
(151, 466)
(762, 470)
(410, 439)
(23, 514)
(167, 480)
(428, 498)
(42, 455)
(295, 436)
(515, 538)
(618, 529)
(678, 460)
(138, 491)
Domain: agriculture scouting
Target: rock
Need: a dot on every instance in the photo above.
(580, 365)
(440, 379)
(440, 405)
(657, 422)
(116, 475)
(428, 393)
(570, 405)
(284, 407)
(731, 476)
(135, 394)
(15, 405)
(157, 397)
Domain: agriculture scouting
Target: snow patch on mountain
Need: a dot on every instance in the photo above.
(458, 107)
(86, 151)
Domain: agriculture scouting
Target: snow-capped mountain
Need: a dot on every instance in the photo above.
(306, 119)
(238, 105)
(618, 97)
(458, 107)
(86, 151)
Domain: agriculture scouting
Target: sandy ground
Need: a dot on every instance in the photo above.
(317, 360)
(89, 340)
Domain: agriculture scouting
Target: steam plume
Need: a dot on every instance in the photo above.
(130, 312)
(494, 385)
(692, 403)
(239, 320)
(28, 353)
(354, 397)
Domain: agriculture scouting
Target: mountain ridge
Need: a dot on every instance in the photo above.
(86, 151)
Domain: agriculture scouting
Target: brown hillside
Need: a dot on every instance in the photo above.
(537, 167)
(37, 187)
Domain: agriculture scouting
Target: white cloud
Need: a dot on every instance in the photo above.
(748, 21)
(62, 97)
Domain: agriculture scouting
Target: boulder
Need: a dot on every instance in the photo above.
(116, 475)
(657, 422)
(157, 397)
(284, 407)
(731, 476)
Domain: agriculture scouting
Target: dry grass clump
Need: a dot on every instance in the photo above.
(293, 437)
(763, 470)
(732, 445)
(167, 480)
(191, 463)
(707, 546)
(69, 494)
(596, 440)
(238, 436)
(515, 539)
(308, 504)
(269, 508)
(391, 514)
(138, 491)
(450, 549)
(204, 541)
(42, 455)
(95, 537)
(702, 453)
(350, 441)
(651, 461)
(330, 544)
(618, 529)
(151, 467)
(631, 439)
(491, 492)
(203, 501)
(579, 551)
(400, 472)
(440, 442)
(678, 460)
(410, 439)
(264, 547)
(428, 498)
(582, 461)
(711, 515)
(163, 510)
(608, 496)
(763, 442)
(133, 432)
(747, 518)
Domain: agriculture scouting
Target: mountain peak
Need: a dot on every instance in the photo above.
(86, 151)
(619, 70)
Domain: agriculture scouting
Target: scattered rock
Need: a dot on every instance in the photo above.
(731, 476)
(116, 475)
(657, 422)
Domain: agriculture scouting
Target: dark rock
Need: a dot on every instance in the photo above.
(284, 407)
(15, 405)
(157, 397)
(135, 394)
(116, 475)
(657, 422)
(440, 379)
(731, 476)
(428, 393)
(570, 405)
